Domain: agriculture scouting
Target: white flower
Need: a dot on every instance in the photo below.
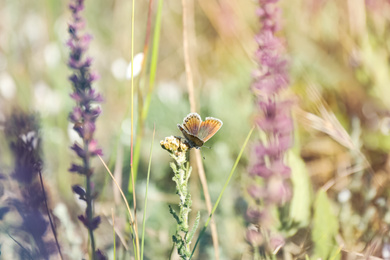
(138, 59)
(7, 86)
(118, 68)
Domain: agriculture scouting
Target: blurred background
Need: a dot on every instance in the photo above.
(338, 54)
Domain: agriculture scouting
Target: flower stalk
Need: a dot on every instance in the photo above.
(274, 121)
(83, 117)
(182, 172)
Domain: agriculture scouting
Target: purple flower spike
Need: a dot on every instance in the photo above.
(254, 237)
(76, 115)
(253, 215)
(274, 120)
(88, 130)
(90, 224)
(79, 191)
(80, 152)
(84, 114)
(261, 170)
(100, 255)
(95, 112)
(27, 186)
(276, 241)
(95, 222)
(256, 192)
(93, 149)
(93, 96)
(77, 168)
(94, 76)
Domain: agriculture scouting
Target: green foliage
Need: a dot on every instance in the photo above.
(182, 238)
(146, 200)
(194, 228)
(325, 228)
(302, 193)
(330, 48)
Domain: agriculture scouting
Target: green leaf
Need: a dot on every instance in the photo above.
(194, 227)
(173, 166)
(174, 214)
(302, 191)
(325, 228)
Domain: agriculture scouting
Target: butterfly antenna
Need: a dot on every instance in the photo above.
(204, 158)
(206, 147)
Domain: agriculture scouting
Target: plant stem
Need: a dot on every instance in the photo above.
(146, 197)
(88, 196)
(182, 170)
(133, 231)
(182, 175)
(113, 229)
(49, 215)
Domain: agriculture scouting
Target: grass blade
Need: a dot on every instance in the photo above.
(152, 76)
(223, 189)
(153, 62)
(132, 224)
(113, 230)
(146, 197)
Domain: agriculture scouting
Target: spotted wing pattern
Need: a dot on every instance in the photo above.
(208, 128)
(192, 123)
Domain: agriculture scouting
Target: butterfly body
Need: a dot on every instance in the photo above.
(196, 132)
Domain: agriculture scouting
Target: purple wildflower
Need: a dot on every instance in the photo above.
(79, 191)
(254, 237)
(84, 115)
(274, 120)
(29, 201)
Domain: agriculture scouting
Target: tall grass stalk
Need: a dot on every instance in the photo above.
(223, 190)
(144, 109)
(27, 253)
(132, 222)
(53, 229)
(113, 230)
(146, 196)
(140, 84)
(132, 132)
(192, 99)
(154, 58)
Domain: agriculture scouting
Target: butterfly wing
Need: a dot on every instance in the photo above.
(191, 139)
(208, 128)
(191, 123)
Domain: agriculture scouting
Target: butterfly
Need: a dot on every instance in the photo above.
(196, 132)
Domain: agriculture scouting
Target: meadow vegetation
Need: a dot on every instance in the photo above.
(93, 165)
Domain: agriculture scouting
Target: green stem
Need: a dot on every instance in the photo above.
(88, 196)
(182, 174)
(114, 238)
(153, 62)
(256, 254)
(145, 108)
(89, 214)
(146, 197)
